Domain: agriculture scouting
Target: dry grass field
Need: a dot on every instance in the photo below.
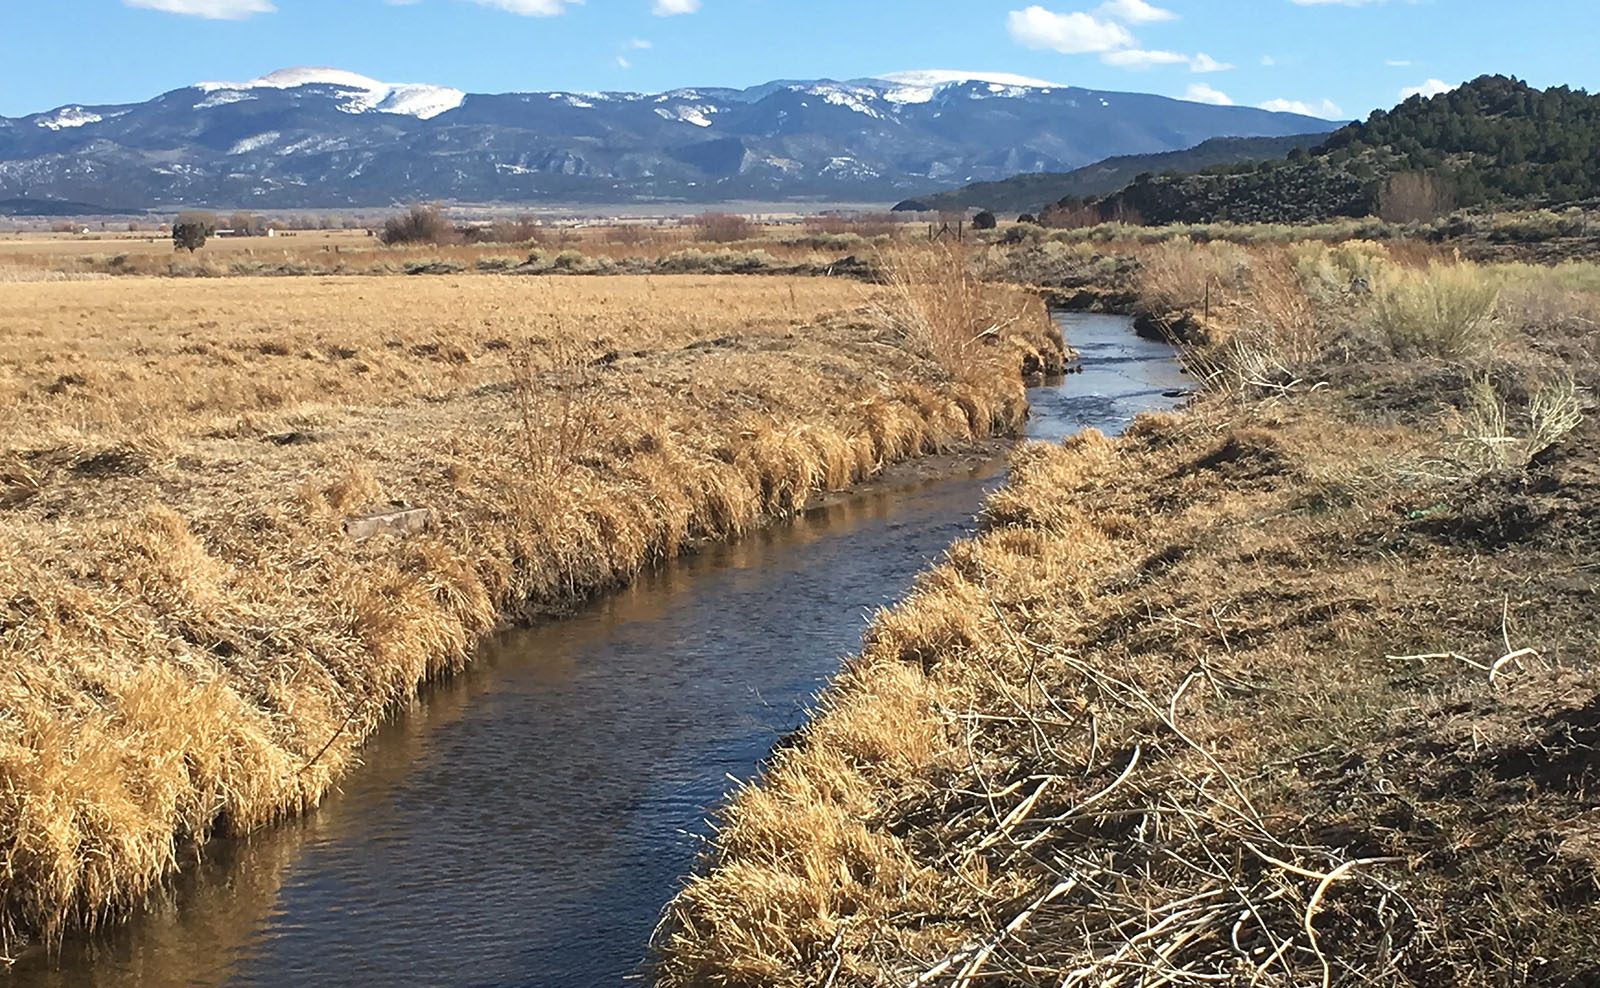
(1299, 687)
(41, 256)
(192, 643)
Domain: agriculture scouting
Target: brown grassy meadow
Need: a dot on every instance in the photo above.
(192, 643)
(598, 249)
(1297, 687)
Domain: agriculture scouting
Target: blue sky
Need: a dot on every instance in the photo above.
(1335, 58)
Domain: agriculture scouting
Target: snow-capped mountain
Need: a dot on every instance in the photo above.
(307, 137)
(358, 94)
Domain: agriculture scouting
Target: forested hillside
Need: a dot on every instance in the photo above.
(1493, 141)
(1029, 192)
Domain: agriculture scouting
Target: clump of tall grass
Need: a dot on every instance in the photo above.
(944, 309)
(1445, 309)
(1563, 299)
(17, 275)
(1182, 275)
(1499, 436)
(1257, 325)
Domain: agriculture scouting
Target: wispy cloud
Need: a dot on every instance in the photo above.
(216, 10)
(1199, 92)
(668, 8)
(1138, 58)
(1141, 58)
(1205, 63)
(530, 8)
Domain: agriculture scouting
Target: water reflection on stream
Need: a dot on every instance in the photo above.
(523, 824)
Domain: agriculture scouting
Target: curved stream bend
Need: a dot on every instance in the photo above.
(523, 825)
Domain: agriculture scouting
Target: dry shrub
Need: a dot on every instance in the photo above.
(522, 230)
(628, 234)
(1070, 216)
(1446, 309)
(865, 225)
(1414, 197)
(1331, 272)
(721, 228)
(421, 224)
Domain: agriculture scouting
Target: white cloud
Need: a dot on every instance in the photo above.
(1199, 92)
(1398, 63)
(1268, 61)
(624, 63)
(1325, 108)
(529, 8)
(667, 8)
(217, 10)
(637, 44)
(1070, 34)
(1138, 58)
(1136, 12)
(1428, 90)
(1205, 63)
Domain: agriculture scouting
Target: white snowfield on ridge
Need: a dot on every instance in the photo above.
(363, 94)
(424, 101)
(921, 85)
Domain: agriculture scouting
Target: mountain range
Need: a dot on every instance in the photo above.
(316, 137)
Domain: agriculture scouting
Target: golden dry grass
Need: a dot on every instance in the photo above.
(1281, 690)
(34, 257)
(192, 644)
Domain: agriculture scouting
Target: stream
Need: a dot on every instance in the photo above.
(524, 823)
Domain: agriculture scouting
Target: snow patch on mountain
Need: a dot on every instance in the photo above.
(697, 115)
(359, 93)
(255, 143)
(578, 101)
(223, 97)
(921, 85)
(69, 116)
(857, 98)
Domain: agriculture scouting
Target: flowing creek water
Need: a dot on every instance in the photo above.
(523, 824)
